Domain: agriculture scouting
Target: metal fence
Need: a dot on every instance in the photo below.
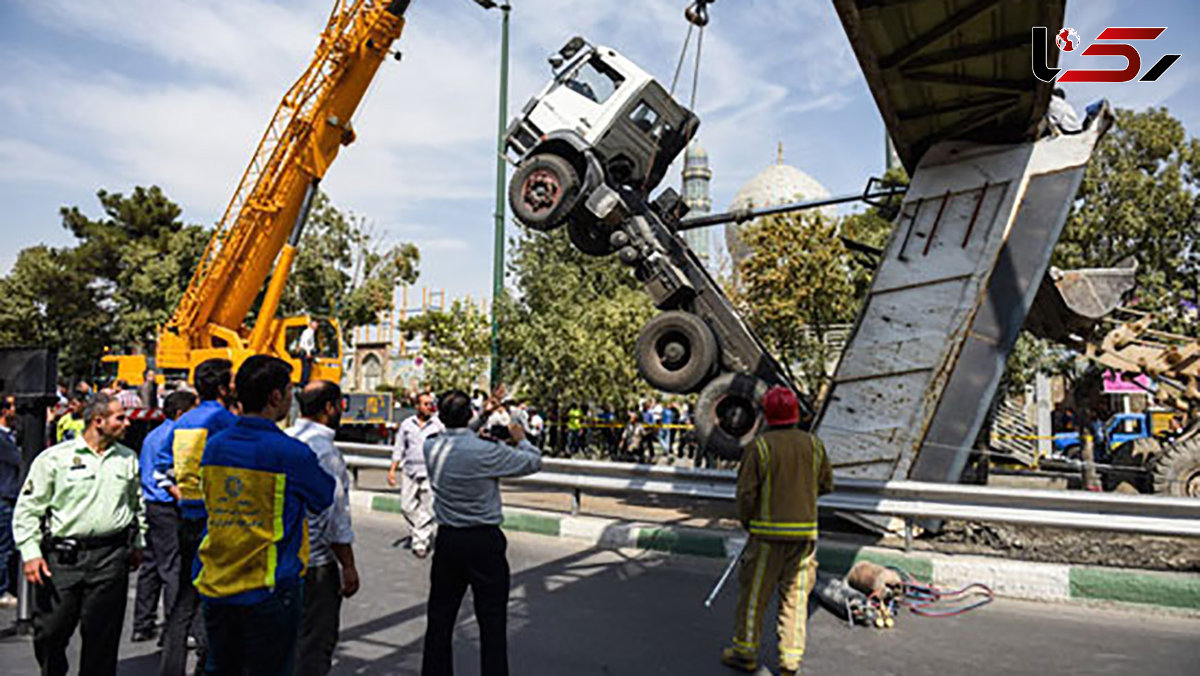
(907, 500)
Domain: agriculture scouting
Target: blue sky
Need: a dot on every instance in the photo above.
(176, 93)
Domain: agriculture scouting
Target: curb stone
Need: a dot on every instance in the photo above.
(1007, 578)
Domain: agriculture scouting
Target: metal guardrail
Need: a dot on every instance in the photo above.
(908, 500)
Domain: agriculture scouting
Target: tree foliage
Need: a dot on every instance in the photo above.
(795, 285)
(139, 254)
(456, 346)
(568, 329)
(343, 271)
(47, 301)
(131, 264)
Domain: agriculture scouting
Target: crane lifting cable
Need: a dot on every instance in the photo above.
(697, 18)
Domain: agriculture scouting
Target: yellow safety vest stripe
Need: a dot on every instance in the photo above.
(764, 464)
(277, 527)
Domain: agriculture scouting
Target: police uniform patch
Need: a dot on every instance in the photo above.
(77, 461)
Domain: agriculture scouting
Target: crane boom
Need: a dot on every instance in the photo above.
(311, 124)
(261, 228)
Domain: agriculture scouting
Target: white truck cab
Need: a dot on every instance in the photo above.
(600, 120)
(579, 96)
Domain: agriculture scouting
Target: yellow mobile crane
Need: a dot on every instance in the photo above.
(260, 231)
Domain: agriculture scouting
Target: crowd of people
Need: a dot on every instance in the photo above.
(241, 531)
(646, 431)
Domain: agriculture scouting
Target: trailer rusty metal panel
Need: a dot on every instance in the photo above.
(952, 69)
(967, 254)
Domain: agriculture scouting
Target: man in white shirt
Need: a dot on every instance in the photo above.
(308, 351)
(416, 498)
(332, 574)
(536, 425)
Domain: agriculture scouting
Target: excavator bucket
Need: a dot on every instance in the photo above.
(1070, 303)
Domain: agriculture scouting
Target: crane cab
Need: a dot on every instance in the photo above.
(328, 364)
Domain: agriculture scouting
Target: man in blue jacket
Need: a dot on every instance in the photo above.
(177, 469)
(258, 484)
(159, 573)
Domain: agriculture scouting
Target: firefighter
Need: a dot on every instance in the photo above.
(782, 472)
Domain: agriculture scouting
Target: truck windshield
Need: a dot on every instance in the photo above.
(594, 80)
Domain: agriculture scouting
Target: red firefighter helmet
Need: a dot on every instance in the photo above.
(780, 407)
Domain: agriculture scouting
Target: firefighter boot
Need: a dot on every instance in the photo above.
(735, 659)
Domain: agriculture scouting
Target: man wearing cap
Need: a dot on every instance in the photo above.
(782, 472)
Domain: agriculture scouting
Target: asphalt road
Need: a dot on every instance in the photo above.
(579, 611)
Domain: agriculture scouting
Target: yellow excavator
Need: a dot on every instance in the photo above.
(258, 236)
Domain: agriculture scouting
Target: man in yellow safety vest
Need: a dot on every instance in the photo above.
(782, 472)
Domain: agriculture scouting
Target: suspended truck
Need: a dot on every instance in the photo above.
(258, 236)
(992, 183)
(589, 149)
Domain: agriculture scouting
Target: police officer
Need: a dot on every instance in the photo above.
(782, 472)
(87, 491)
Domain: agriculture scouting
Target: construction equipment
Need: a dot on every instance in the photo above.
(589, 149)
(1170, 456)
(258, 236)
(953, 286)
(1152, 450)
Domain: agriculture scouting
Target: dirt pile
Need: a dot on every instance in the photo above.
(1057, 545)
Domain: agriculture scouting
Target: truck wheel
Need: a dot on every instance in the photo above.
(589, 237)
(729, 414)
(676, 351)
(543, 191)
(1177, 472)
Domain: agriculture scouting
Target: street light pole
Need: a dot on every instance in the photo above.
(501, 176)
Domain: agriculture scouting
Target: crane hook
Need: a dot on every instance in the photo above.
(697, 13)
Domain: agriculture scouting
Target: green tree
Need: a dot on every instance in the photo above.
(342, 271)
(568, 329)
(456, 345)
(139, 254)
(795, 285)
(46, 300)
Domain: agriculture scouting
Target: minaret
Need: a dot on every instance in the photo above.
(696, 176)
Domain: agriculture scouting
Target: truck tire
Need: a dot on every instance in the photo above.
(729, 414)
(1177, 472)
(590, 237)
(676, 352)
(543, 191)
